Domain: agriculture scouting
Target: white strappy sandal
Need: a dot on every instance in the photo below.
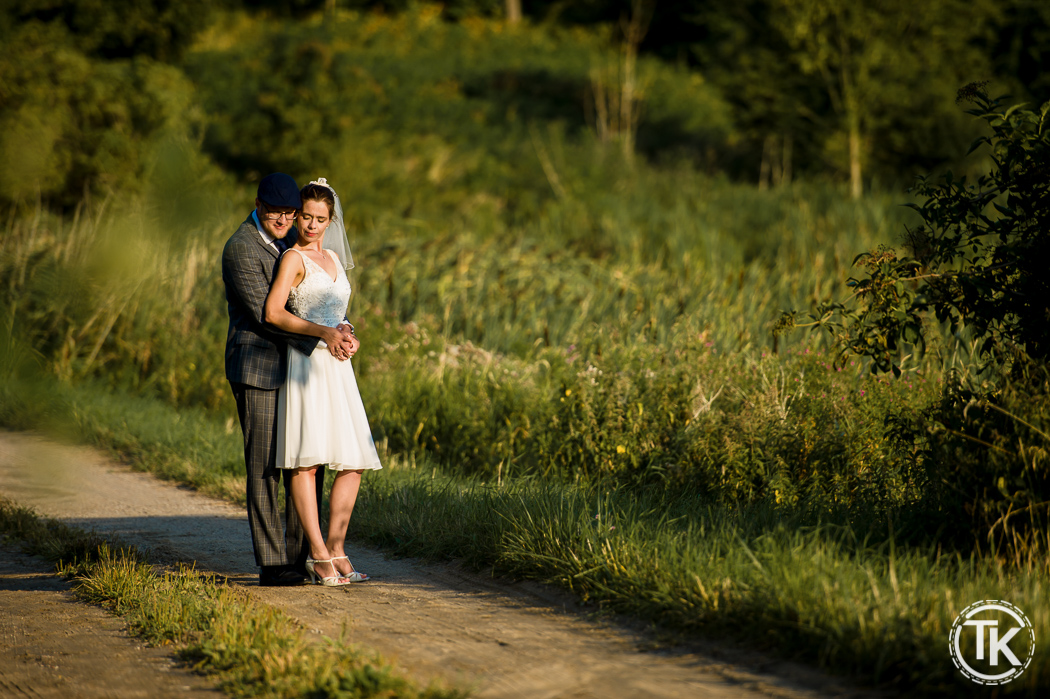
(331, 581)
(353, 575)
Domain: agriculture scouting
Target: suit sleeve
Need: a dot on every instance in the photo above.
(247, 279)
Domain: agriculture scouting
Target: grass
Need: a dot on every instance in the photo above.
(247, 649)
(875, 611)
(772, 576)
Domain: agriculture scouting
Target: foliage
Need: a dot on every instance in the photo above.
(976, 262)
(424, 117)
(159, 30)
(89, 126)
(812, 74)
(78, 125)
(975, 269)
(1021, 26)
(985, 451)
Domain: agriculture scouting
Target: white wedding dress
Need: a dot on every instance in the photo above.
(320, 416)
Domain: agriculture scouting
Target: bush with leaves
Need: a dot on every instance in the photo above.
(977, 267)
(977, 263)
(985, 451)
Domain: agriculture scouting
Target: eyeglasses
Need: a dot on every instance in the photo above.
(275, 215)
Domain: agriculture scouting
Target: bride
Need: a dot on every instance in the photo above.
(321, 420)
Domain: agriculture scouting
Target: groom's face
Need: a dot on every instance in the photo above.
(276, 221)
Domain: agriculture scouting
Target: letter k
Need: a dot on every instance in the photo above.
(995, 645)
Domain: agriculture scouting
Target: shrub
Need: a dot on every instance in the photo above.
(977, 262)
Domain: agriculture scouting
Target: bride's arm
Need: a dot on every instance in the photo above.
(290, 272)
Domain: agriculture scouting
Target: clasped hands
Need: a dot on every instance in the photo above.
(343, 344)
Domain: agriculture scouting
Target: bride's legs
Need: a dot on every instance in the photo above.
(304, 496)
(340, 507)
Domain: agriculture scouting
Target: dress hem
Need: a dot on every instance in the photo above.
(375, 466)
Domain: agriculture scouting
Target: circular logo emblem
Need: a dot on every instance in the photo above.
(992, 642)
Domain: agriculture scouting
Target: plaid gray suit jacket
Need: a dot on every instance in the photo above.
(255, 351)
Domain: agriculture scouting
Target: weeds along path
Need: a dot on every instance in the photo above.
(501, 639)
(51, 646)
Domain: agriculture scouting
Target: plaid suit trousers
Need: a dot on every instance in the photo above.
(257, 410)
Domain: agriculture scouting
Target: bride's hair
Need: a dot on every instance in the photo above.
(316, 192)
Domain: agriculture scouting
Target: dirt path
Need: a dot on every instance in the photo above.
(501, 639)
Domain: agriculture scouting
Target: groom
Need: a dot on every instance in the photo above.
(256, 367)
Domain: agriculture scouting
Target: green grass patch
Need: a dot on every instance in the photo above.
(248, 649)
(874, 610)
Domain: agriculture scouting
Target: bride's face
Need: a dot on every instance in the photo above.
(314, 218)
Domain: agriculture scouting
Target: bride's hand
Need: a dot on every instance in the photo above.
(349, 342)
(337, 343)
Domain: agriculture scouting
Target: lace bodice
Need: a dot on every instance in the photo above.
(317, 298)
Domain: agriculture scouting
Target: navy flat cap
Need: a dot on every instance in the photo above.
(280, 191)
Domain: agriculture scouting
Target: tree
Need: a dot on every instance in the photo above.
(72, 122)
(867, 54)
(618, 100)
(977, 263)
(1017, 45)
(158, 29)
(513, 11)
(775, 103)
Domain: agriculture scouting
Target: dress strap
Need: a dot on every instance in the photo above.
(306, 260)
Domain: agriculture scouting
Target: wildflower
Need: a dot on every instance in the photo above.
(568, 391)
(862, 393)
(621, 449)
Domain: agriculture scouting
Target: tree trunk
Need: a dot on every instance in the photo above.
(627, 106)
(785, 161)
(601, 105)
(513, 11)
(634, 31)
(855, 182)
(763, 168)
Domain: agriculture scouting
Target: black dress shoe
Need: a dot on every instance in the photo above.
(280, 576)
